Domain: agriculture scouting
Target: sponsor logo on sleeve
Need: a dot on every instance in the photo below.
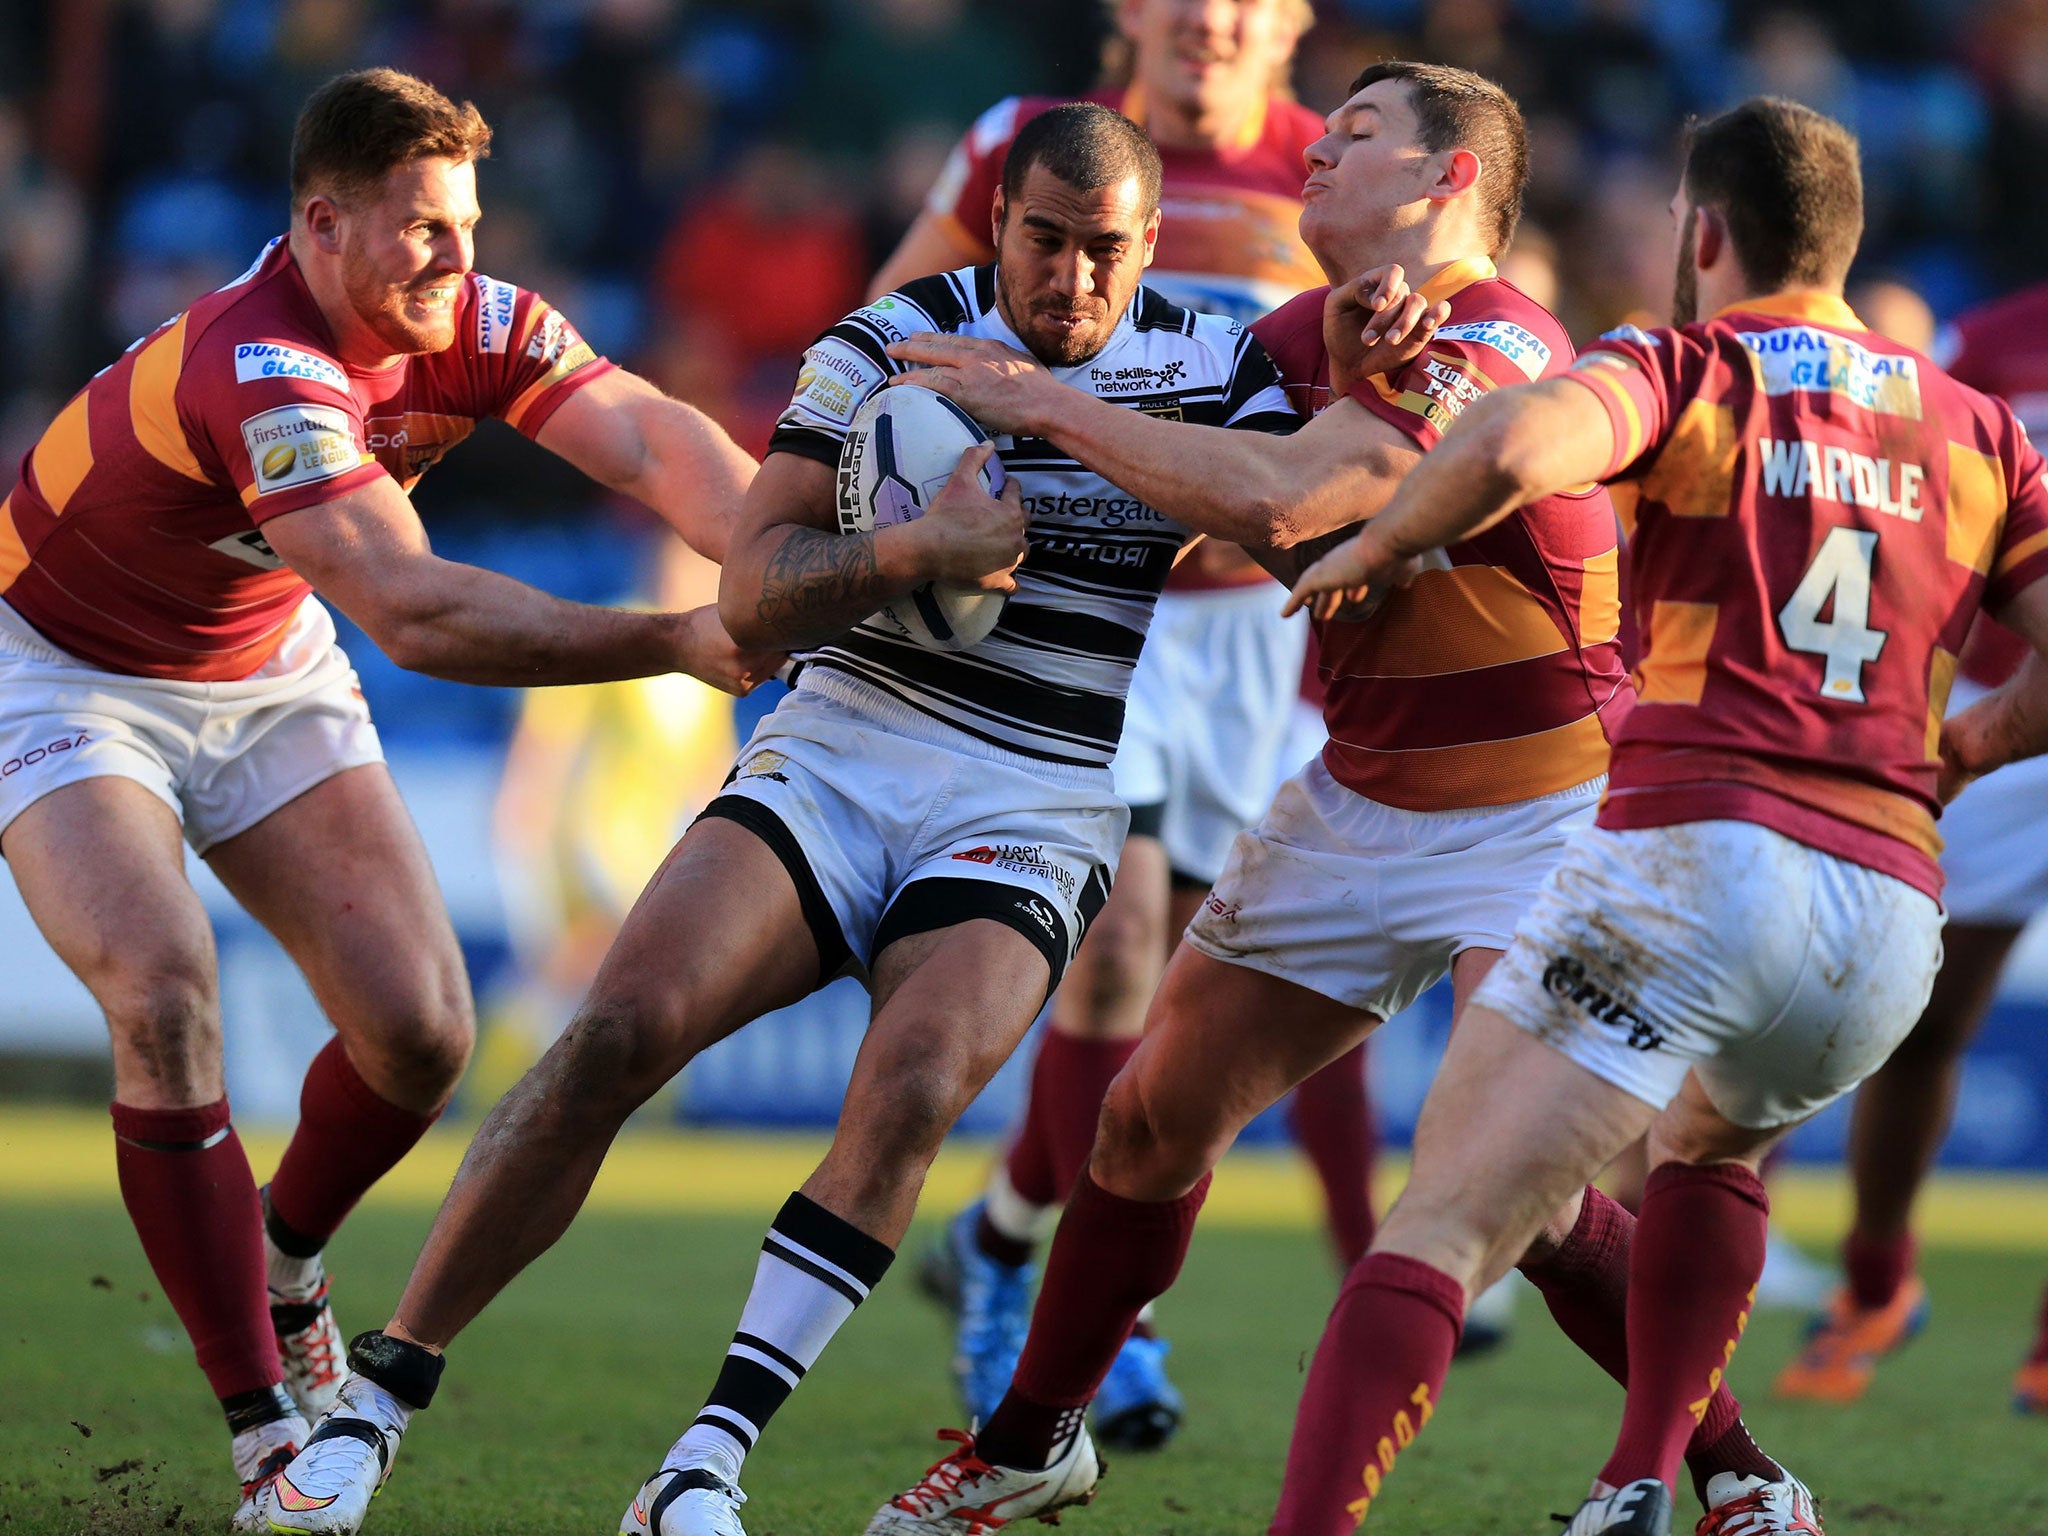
(764, 765)
(268, 360)
(1446, 386)
(1522, 348)
(831, 385)
(298, 444)
(556, 344)
(495, 302)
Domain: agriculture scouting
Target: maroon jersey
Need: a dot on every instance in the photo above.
(2002, 349)
(1818, 514)
(1495, 676)
(133, 538)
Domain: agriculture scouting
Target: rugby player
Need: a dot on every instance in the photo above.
(1469, 727)
(941, 822)
(1207, 721)
(166, 668)
(1753, 924)
(1996, 867)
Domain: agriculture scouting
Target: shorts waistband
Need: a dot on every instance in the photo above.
(1590, 789)
(22, 638)
(900, 719)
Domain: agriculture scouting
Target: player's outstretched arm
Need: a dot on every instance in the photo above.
(626, 434)
(2009, 723)
(793, 580)
(1250, 488)
(1511, 447)
(367, 553)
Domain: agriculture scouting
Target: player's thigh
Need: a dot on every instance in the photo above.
(100, 864)
(1511, 1129)
(719, 937)
(950, 1006)
(1222, 1043)
(1104, 992)
(340, 876)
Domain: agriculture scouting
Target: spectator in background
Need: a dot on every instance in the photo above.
(1891, 308)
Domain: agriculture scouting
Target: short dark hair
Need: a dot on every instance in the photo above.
(1456, 109)
(359, 127)
(1086, 146)
(1789, 181)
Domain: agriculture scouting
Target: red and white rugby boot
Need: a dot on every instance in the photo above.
(684, 1501)
(327, 1488)
(1749, 1506)
(309, 1344)
(260, 1454)
(962, 1495)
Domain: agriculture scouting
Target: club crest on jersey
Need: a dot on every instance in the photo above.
(298, 444)
(268, 360)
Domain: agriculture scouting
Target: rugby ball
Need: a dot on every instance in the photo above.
(902, 449)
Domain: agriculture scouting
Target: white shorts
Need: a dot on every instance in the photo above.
(1784, 976)
(1996, 862)
(222, 756)
(1368, 904)
(891, 824)
(1207, 720)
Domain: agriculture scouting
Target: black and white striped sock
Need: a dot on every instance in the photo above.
(814, 1270)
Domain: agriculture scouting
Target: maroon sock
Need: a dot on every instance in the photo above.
(348, 1138)
(1699, 1247)
(1585, 1285)
(1877, 1266)
(1109, 1258)
(1028, 1163)
(1332, 1117)
(186, 1182)
(1068, 1085)
(2040, 1354)
(1378, 1373)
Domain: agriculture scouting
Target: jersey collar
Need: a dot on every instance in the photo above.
(1456, 277)
(1133, 107)
(1800, 304)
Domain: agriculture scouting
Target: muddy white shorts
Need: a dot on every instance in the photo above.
(1207, 720)
(891, 823)
(222, 756)
(1996, 862)
(1784, 976)
(1369, 904)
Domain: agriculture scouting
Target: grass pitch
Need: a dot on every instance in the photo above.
(567, 1391)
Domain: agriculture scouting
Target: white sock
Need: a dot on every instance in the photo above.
(1014, 1216)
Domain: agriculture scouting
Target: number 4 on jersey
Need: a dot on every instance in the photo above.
(1844, 640)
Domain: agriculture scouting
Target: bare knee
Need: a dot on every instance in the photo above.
(164, 1016)
(415, 1052)
(1143, 1153)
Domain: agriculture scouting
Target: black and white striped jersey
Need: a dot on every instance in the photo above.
(1049, 680)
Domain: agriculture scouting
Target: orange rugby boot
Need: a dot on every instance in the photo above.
(1845, 1343)
(2030, 1388)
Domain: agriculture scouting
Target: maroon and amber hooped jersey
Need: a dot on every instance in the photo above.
(133, 539)
(1818, 513)
(1495, 676)
(2002, 349)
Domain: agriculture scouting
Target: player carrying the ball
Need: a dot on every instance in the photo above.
(941, 822)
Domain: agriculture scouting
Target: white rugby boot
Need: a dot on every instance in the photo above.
(963, 1495)
(326, 1491)
(1640, 1508)
(684, 1501)
(1749, 1506)
(260, 1454)
(309, 1344)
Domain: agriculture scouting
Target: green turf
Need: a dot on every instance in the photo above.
(568, 1390)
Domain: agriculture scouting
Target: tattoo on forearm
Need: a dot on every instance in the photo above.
(819, 579)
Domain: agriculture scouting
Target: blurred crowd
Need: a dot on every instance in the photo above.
(702, 184)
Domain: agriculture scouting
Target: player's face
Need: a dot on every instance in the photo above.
(1367, 176)
(1208, 59)
(1068, 262)
(405, 253)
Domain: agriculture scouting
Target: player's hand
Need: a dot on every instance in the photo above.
(968, 538)
(1003, 389)
(1352, 580)
(708, 654)
(1963, 756)
(1375, 324)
